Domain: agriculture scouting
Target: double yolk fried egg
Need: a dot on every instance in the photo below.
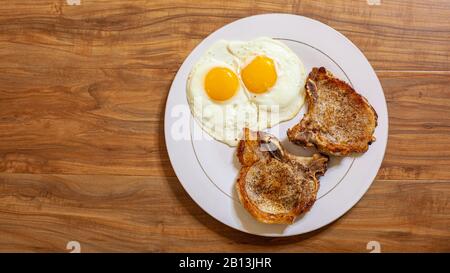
(235, 84)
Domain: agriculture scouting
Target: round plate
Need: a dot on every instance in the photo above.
(208, 169)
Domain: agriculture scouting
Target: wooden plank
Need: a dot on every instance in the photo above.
(123, 213)
(419, 126)
(83, 121)
(396, 35)
(86, 121)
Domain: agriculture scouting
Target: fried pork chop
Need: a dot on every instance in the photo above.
(274, 185)
(339, 121)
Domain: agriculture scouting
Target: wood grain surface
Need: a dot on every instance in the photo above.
(82, 152)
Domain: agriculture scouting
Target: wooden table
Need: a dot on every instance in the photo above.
(82, 152)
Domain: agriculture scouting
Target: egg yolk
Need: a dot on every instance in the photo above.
(259, 75)
(221, 83)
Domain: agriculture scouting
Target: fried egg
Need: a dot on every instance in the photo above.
(255, 84)
(217, 98)
(273, 76)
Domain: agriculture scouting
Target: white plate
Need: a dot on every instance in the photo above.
(207, 169)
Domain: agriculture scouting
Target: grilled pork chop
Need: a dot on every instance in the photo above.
(339, 120)
(273, 185)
